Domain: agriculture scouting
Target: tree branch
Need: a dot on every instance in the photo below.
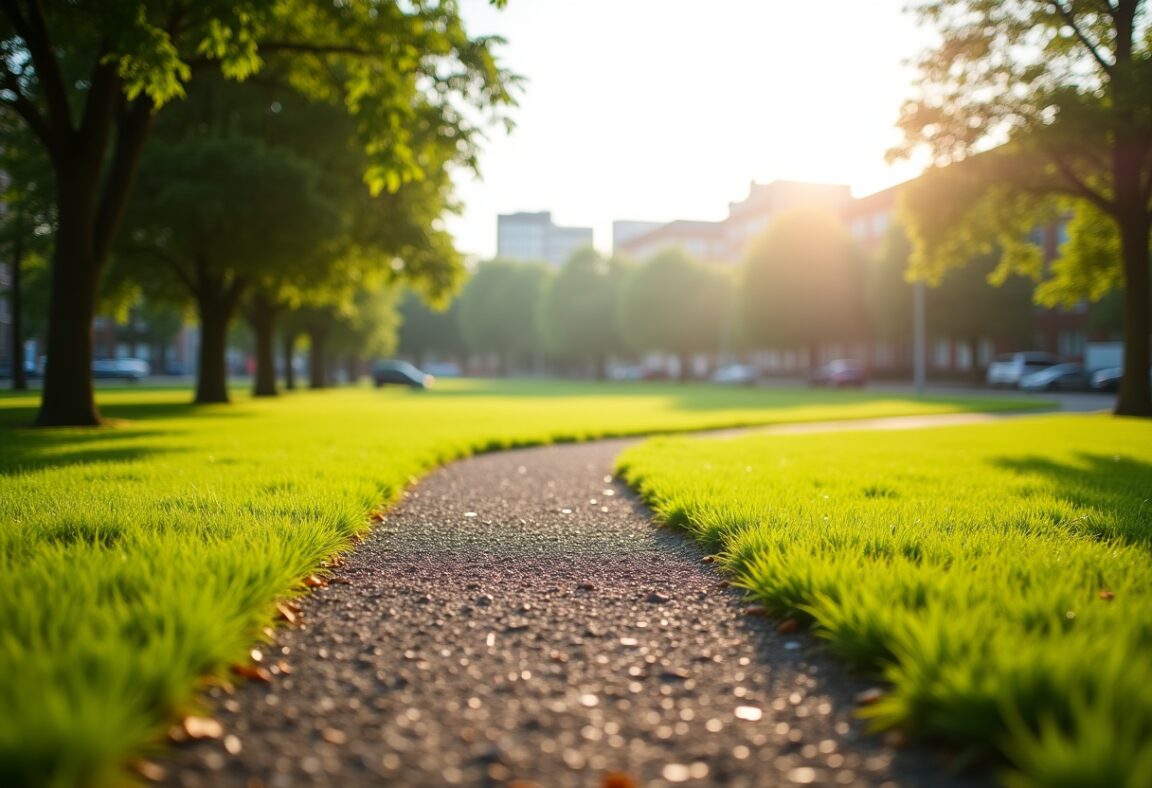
(1070, 20)
(184, 277)
(34, 30)
(1077, 187)
(99, 106)
(132, 129)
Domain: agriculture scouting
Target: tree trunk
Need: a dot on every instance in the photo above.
(92, 192)
(318, 359)
(685, 360)
(262, 318)
(352, 368)
(68, 397)
(19, 378)
(1135, 397)
(212, 377)
(288, 350)
(216, 301)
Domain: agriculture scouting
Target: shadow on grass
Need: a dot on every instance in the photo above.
(1116, 486)
(28, 450)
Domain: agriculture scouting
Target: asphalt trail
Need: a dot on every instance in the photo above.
(520, 619)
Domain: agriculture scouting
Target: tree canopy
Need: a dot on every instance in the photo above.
(675, 304)
(88, 78)
(1033, 110)
(803, 281)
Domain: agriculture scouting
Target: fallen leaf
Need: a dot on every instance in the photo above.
(869, 696)
(708, 559)
(788, 626)
(312, 581)
(286, 613)
(1107, 595)
(754, 610)
(252, 673)
(618, 780)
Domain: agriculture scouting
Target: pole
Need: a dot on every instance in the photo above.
(918, 339)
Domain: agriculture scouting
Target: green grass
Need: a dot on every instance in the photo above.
(138, 558)
(998, 576)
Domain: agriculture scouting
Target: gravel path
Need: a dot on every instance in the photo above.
(520, 620)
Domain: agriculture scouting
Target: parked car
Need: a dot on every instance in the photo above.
(1108, 379)
(400, 373)
(1009, 368)
(840, 373)
(736, 373)
(1058, 377)
(131, 369)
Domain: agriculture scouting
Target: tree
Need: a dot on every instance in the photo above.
(88, 79)
(803, 283)
(26, 220)
(674, 304)
(1063, 89)
(963, 305)
(499, 308)
(217, 216)
(425, 331)
(578, 310)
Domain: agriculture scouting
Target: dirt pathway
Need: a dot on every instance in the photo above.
(518, 617)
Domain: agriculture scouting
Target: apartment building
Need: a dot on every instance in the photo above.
(534, 237)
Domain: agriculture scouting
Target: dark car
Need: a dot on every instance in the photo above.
(1058, 377)
(841, 373)
(400, 373)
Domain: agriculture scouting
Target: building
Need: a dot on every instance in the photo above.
(533, 237)
(725, 241)
(869, 220)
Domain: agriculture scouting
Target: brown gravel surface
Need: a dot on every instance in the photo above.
(520, 619)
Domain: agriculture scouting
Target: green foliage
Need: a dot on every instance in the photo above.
(997, 575)
(230, 208)
(801, 282)
(425, 331)
(134, 560)
(578, 310)
(675, 304)
(1041, 108)
(499, 307)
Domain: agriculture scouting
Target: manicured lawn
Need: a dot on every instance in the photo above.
(998, 576)
(138, 558)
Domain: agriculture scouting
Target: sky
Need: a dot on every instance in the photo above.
(657, 110)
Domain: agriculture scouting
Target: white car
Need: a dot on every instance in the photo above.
(131, 369)
(1008, 369)
(736, 373)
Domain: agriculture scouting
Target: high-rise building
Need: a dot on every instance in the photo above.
(533, 237)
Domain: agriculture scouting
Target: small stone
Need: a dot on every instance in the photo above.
(754, 610)
(750, 713)
(334, 736)
(676, 773)
(657, 598)
(484, 600)
(675, 673)
(202, 728)
(869, 696)
(585, 587)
